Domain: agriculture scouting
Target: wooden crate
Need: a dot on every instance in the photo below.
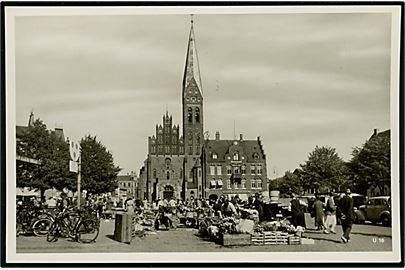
(235, 239)
(258, 239)
(294, 240)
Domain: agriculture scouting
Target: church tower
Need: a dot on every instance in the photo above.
(192, 101)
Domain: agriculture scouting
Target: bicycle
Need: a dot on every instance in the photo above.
(73, 224)
(35, 220)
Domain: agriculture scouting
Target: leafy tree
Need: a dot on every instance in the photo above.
(323, 170)
(98, 172)
(37, 142)
(371, 164)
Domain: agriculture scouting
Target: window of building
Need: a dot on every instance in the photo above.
(154, 173)
(235, 185)
(167, 149)
(214, 156)
(190, 150)
(181, 150)
(167, 162)
(174, 141)
(243, 183)
(153, 149)
(255, 156)
(259, 183)
(219, 184)
(197, 150)
(212, 170)
(228, 184)
(236, 155)
(252, 169)
(236, 170)
(173, 149)
(181, 173)
(219, 170)
(160, 139)
(259, 169)
(253, 183)
(168, 175)
(229, 170)
(243, 170)
(190, 114)
(197, 115)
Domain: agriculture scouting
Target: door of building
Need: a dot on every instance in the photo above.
(168, 192)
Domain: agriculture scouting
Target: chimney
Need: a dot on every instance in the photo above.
(241, 137)
(217, 136)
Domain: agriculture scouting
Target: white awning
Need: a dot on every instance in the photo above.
(219, 183)
(213, 183)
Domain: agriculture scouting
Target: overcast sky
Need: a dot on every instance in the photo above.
(295, 80)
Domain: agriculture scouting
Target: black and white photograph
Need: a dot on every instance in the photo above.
(175, 133)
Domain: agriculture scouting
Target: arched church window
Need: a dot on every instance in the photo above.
(190, 114)
(236, 155)
(154, 173)
(197, 115)
(168, 175)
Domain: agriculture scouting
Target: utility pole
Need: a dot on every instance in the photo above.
(79, 181)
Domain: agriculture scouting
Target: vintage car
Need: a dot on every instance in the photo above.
(377, 209)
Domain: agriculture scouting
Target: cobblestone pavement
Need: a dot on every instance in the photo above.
(365, 237)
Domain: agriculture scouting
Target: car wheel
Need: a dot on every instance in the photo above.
(386, 220)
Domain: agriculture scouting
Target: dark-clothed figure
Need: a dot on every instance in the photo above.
(318, 209)
(258, 205)
(297, 212)
(347, 215)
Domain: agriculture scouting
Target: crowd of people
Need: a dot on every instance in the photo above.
(327, 214)
(221, 207)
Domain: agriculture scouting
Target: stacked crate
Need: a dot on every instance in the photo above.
(294, 240)
(258, 239)
(275, 238)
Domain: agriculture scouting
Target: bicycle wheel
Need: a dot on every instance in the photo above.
(41, 226)
(87, 231)
(53, 232)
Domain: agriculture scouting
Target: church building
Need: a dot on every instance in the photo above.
(178, 165)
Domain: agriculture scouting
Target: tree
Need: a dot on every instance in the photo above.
(371, 164)
(98, 172)
(37, 142)
(292, 182)
(324, 170)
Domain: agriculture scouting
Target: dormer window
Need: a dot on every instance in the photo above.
(255, 156)
(214, 156)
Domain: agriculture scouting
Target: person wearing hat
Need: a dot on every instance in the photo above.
(347, 215)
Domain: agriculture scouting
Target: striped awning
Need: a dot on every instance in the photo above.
(219, 183)
(213, 183)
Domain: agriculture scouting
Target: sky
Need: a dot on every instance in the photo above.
(295, 80)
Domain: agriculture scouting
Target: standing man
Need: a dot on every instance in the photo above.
(347, 215)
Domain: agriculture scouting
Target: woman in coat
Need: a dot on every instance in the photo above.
(319, 217)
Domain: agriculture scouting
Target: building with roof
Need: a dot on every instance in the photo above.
(233, 167)
(127, 185)
(186, 166)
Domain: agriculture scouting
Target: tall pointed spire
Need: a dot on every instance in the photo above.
(192, 68)
(31, 119)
